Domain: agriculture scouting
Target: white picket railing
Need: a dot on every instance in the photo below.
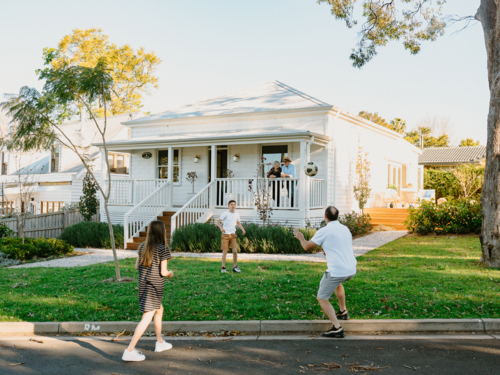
(121, 192)
(197, 208)
(282, 191)
(316, 193)
(130, 192)
(145, 211)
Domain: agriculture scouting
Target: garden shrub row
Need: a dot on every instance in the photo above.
(268, 239)
(33, 247)
(92, 234)
(358, 223)
(457, 216)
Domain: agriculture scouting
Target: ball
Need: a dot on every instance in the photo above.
(311, 169)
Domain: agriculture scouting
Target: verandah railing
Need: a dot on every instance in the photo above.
(130, 192)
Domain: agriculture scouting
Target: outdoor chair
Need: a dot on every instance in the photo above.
(427, 195)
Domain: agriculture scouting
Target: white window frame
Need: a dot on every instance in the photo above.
(127, 162)
(157, 167)
(59, 161)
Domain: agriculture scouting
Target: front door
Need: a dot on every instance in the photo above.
(221, 173)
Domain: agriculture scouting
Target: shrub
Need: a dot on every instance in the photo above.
(456, 216)
(5, 231)
(357, 223)
(268, 239)
(443, 182)
(33, 247)
(92, 234)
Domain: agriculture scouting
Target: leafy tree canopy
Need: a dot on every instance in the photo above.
(429, 140)
(132, 71)
(409, 21)
(468, 142)
(398, 125)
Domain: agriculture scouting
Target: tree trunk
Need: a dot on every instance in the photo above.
(112, 238)
(489, 16)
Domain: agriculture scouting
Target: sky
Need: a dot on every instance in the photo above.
(212, 48)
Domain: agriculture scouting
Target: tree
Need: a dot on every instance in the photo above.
(470, 179)
(429, 140)
(362, 188)
(468, 142)
(414, 21)
(89, 203)
(398, 125)
(38, 115)
(26, 181)
(132, 71)
(373, 117)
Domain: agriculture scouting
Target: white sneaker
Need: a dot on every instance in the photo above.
(223, 270)
(160, 347)
(236, 269)
(133, 356)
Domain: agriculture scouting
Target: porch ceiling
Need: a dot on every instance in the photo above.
(226, 138)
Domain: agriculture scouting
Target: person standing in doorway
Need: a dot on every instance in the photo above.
(336, 240)
(230, 219)
(288, 171)
(151, 262)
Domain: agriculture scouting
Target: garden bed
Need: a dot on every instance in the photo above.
(414, 277)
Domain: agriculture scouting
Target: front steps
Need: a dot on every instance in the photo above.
(134, 242)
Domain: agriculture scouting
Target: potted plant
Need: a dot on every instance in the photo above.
(191, 177)
(395, 188)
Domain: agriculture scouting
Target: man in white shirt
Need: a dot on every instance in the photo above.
(230, 219)
(336, 240)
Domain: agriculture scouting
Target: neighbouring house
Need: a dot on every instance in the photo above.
(449, 157)
(55, 176)
(223, 140)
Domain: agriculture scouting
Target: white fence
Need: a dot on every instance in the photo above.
(48, 225)
(131, 192)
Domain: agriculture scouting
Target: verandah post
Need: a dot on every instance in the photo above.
(302, 182)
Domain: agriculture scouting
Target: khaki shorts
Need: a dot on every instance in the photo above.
(329, 283)
(228, 241)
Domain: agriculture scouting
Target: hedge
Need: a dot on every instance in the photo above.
(92, 234)
(268, 239)
(457, 216)
(33, 247)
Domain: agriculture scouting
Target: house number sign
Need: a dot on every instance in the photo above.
(147, 155)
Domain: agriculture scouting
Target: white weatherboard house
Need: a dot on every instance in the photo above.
(55, 176)
(233, 132)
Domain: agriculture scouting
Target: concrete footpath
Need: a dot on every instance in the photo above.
(261, 327)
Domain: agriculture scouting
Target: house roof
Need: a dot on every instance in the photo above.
(225, 136)
(269, 96)
(452, 155)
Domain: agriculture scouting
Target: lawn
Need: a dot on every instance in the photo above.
(414, 277)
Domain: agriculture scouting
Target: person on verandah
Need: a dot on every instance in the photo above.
(288, 171)
(275, 172)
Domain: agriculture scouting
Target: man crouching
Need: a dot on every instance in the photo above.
(336, 240)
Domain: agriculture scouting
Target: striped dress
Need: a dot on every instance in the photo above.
(151, 282)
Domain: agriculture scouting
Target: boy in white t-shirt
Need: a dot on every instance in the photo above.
(230, 218)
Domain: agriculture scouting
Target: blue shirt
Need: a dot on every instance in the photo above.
(289, 170)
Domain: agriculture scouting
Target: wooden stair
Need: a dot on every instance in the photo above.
(392, 217)
(135, 242)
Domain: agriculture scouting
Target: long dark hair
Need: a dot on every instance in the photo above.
(156, 234)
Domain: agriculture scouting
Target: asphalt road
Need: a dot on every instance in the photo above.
(407, 355)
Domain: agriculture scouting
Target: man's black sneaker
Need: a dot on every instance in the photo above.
(334, 332)
(343, 315)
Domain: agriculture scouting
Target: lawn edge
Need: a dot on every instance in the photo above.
(260, 327)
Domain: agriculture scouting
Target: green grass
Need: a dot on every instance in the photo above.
(414, 277)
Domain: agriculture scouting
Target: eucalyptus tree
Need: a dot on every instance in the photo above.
(413, 22)
(38, 115)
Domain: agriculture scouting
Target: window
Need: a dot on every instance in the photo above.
(54, 158)
(51, 207)
(163, 164)
(272, 154)
(118, 163)
(8, 208)
(5, 162)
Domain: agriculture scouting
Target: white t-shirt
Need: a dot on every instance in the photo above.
(229, 221)
(336, 240)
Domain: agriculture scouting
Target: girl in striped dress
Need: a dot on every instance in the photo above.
(151, 262)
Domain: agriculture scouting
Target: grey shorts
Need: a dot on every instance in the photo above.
(329, 283)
